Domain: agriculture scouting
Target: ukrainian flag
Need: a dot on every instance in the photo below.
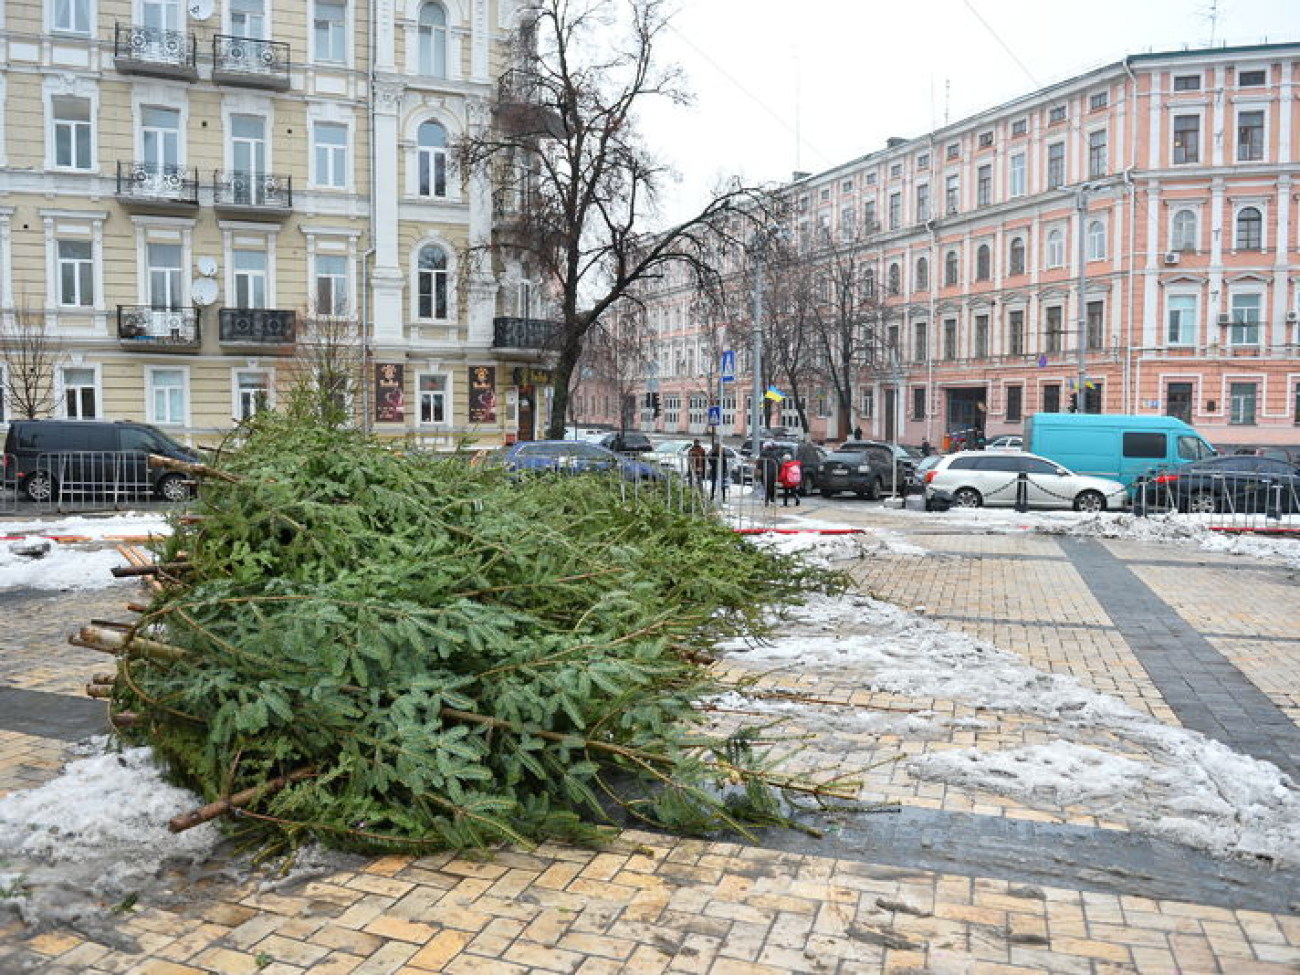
(774, 394)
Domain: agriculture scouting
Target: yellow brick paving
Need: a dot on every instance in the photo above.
(650, 903)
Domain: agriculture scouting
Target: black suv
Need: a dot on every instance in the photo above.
(627, 442)
(84, 458)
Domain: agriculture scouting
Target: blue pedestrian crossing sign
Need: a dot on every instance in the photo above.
(715, 416)
(729, 366)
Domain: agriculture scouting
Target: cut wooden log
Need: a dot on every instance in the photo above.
(197, 817)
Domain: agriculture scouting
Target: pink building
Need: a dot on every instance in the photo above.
(1149, 206)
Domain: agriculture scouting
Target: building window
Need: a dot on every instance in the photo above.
(1247, 312)
(164, 264)
(1015, 403)
(71, 16)
(1016, 332)
(1250, 229)
(983, 263)
(1250, 136)
(72, 133)
(950, 338)
(1180, 325)
(166, 396)
(895, 280)
(433, 405)
(1185, 231)
(329, 31)
(953, 150)
(252, 393)
(984, 186)
(950, 269)
(432, 160)
(918, 402)
(80, 397)
(1295, 409)
(1241, 404)
(923, 161)
(848, 223)
(1098, 100)
(952, 193)
(871, 223)
(871, 179)
(1055, 329)
(1056, 165)
(1052, 398)
(981, 336)
(1056, 114)
(248, 19)
(985, 140)
(248, 156)
(250, 278)
(1187, 139)
(160, 138)
(896, 171)
(895, 210)
(1094, 324)
(1016, 185)
(922, 274)
(1098, 159)
(433, 40)
(431, 283)
(1016, 256)
(923, 203)
(1055, 248)
(1250, 79)
(1020, 126)
(869, 283)
(1096, 241)
(331, 284)
(330, 140)
(76, 273)
(920, 342)
(1187, 82)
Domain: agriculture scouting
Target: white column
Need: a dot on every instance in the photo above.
(386, 275)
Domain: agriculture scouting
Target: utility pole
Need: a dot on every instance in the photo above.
(756, 351)
(1081, 203)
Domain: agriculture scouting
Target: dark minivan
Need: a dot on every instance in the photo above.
(84, 458)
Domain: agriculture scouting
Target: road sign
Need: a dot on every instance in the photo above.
(715, 416)
(729, 366)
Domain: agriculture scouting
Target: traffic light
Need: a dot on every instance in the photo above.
(1074, 402)
(654, 405)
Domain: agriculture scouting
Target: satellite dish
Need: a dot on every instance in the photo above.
(207, 266)
(203, 291)
(200, 9)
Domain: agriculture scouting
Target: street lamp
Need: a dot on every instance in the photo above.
(756, 348)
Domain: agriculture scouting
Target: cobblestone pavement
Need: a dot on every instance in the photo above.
(955, 882)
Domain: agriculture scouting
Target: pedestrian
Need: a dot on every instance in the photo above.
(766, 468)
(717, 471)
(790, 476)
(696, 462)
(926, 449)
(857, 433)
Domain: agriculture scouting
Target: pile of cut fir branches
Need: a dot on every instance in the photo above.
(404, 651)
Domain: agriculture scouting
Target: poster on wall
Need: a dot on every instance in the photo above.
(482, 394)
(390, 395)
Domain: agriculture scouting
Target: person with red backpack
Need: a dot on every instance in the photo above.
(790, 477)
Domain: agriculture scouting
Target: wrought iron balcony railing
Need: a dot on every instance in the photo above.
(256, 326)
(153, 51)
(157, 185)
(158, 329)
(524, 333)
(250, 62)
(263, 191)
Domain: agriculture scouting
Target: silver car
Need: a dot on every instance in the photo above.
(976, 477)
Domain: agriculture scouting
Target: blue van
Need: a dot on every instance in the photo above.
(1114, 445)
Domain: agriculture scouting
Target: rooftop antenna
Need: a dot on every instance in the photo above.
(1212, 15)
(798, 112)
(947, 98)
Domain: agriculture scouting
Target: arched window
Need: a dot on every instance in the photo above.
(1055, 249)
(1016, 257)
(1185, 231)
(950, 268)
(869, 282)
(895, 279)
(432, 160)
(433, 40)
(1096, 241)
(983, 263)
(431, 282)
(1250, 229)
(922, 274)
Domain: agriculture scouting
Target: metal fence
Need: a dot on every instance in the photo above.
(8, 485)
(1224, 501)
(82, 480)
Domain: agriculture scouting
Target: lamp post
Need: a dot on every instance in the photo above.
(756, 349)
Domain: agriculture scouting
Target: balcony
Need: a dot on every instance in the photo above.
(252, 196)
(249, 63)
(524, 333)
(157, 188)
(155, 52)
(144, 328)
(257, 328)
(519, 109)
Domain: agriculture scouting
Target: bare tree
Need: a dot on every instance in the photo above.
(617, 357)
(328, 368)
(29, 350)
(566, 149)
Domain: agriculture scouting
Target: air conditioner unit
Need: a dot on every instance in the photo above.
(1293, 316)
(1172, 257)
(1225, 319)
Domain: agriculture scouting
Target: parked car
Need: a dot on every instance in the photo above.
(589, 434)
(1239, 483)
(977, 477)
(627, 442)
(89, 458)
(904, 458)
(1008, 441)
(574, 457)
(865, 472)
(1289, 454)
(916, 480)
(671, 453)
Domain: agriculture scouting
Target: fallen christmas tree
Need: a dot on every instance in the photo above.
(391, 652)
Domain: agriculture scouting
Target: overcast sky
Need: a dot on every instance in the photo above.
(789, 85)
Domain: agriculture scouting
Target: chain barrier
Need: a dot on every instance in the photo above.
(8, 484)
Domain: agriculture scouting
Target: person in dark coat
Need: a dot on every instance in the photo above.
(717, 471)
(765, 470)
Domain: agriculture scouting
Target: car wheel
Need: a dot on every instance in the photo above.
(39, 486)
(172, 487)
(1090, 501)
(828, 493)
(967, 497)
(1203, 503)
(877, 488)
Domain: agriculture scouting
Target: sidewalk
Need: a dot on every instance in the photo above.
(958, 879)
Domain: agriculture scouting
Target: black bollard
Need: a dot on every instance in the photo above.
(1022, 492)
